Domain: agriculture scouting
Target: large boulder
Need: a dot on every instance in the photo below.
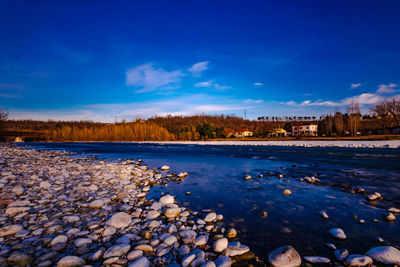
(385, 254)
(285, 256)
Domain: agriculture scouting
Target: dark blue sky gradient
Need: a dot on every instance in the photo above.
(69, 59)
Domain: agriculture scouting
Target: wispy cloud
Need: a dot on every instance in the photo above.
(212, 84)
(387, 88)
(9, 95)
(146, 78)
(258, 84)
(363, 99)
(255, 101)
(355, 85)
(198, 68)
(194, 104)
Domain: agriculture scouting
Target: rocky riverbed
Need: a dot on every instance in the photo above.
(58, 210)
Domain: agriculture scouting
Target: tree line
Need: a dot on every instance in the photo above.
(384, 117)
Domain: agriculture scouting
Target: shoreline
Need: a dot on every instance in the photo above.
(287, 143)
(58, 210)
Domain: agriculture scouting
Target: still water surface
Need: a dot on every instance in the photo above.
(216, 182)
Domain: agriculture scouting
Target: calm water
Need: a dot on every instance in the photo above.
(216, 182)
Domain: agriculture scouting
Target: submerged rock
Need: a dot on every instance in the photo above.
(385, 254)
(358, 260)
(337, 233)
(285, 256)
(316, 259)
(341, 254)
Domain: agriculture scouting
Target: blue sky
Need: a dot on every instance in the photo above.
(102, 60)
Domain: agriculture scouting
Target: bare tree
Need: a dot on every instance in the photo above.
(388, 112)
(354, 117)
(338, 123)
(3, 117)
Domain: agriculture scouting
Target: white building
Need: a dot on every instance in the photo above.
(305, 130)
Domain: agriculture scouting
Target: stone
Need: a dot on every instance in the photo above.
(188, 236)
(96, 204)
(236, 249)
(188, 259)
(19, 259)
(141, 262)
(145, 248)
(151, 215)
(285, 256)
(210, 217)
(220, 245)
(169, 241)
(15, 210)
(385, 254)
(167, 199)
(358, 260)
(10, 230)
(172, 212)
(208, 264)
(120, 220)
(223, 261)
(44, 185)
(331, 246)
(117, 251)
(391, 210)
(201, 240)
(165, 168)
(70, 261)
(324, 214)
(109, 231)
(71, 219)
(80, 242)
(390, 217)
(338, 233)
(341, 254)
(231, 233)
(183, 250)
(287, 192)
(135, 254)
(59, 239)
(316, 259)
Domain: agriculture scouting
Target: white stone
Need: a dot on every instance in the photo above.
(10, 229)
(151, 215)
(165, 168)
(59, 239)
(223, 261)
(117, 250)
(220, 245)
(338, 233)
(358, 260)
(169, 241)
(70, 261)
(167, 199)
(141, 262)
(172, 212)
(96, 204)
(385, 254)
(120, 220)
(188, 236)
(285, 256)
(316, 259)
(44, 185)
(210, 217)
(80, 242)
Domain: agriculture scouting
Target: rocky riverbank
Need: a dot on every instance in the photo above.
(57, 210)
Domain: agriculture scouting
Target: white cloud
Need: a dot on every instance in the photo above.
(10, 86)
(363, 99)
(147, 79)
(258, 84)
(204, 84)
(387, 88)
(355, 85)
(198, 68)
(211, 83)
(255, 101)
(189, 105)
